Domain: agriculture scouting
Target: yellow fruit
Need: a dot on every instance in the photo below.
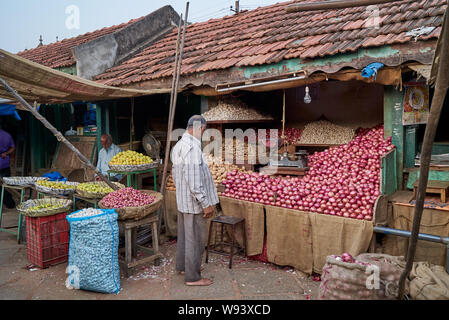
(54, 184)
(130, 157)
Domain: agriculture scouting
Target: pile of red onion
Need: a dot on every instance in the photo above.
(342, 181)
(126, 197)
(292, 135)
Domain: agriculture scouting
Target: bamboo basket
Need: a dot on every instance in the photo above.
(93, 195)
(137, 213)
(22, 181)
(58, 192)
(130, 168)
(24, 207)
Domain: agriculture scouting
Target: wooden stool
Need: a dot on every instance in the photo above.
(434, 186)
(226, 220)
(130, 228)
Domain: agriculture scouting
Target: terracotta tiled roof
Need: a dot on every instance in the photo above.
(59, 54)
(269, 34)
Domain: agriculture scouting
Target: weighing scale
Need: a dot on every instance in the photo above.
(284, 164)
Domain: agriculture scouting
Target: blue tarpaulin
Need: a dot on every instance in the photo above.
(9, 110)
(371, 70)
(54, 176)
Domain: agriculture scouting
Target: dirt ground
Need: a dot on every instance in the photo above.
(247, 280)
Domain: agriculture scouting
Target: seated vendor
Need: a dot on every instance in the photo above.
(105, 155)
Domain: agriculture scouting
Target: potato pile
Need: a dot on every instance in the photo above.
(218, 169)
(170, 183)
(234, 109)
(325, 132)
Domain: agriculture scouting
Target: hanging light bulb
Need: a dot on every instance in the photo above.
(307, 98)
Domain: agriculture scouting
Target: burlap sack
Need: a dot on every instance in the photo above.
(253, 213)
(289, 238)
(429, 282)
(354, 281)
(171, 212)
(335, 235)
(435, 222)
(171, 217)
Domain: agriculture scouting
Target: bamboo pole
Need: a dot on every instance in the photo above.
(442, 84)
(173, 100)
(56, 133)
(338, 4)
(131, 125)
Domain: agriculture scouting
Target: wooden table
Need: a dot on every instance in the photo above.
(93, 201)
(131, 176)
(22, 190)
(434, 186)
(130, 229)
(292, 171)
(58, 196)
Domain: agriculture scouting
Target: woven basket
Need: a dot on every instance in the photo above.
(92, 195)
(24, 207)
(129, 168)
(58, 192)
(22, 181)
(137, 213)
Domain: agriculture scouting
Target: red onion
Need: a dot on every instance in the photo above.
(342, 180)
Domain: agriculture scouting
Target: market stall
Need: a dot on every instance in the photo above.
(334, 133)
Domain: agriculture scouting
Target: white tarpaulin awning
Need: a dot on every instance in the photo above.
(423, 70)
(38, 83)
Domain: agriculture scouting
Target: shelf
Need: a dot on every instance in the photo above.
(239, 121)
(283, 171)
(315, 145)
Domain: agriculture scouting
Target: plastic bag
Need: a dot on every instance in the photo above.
(93, 252)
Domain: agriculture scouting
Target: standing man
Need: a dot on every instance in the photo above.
(196, 197)
(105, 155)
(6, 148)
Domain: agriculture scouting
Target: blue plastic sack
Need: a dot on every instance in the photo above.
(372, 69)
(93, 252)
(54, 176)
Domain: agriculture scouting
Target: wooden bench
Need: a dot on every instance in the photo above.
(434, 186)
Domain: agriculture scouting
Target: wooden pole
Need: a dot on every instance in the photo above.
(131, 125)
(442, 84)
(337, 4)
(57, 134)
(173, 99)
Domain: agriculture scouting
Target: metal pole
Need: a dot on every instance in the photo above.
(175, 84)
(57, 134)
(421, 236)
(442, 83)
(338, 4)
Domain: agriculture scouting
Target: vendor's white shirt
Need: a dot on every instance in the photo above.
(195, 187)
(104, 157)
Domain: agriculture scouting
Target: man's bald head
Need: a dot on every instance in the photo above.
(106, 141)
